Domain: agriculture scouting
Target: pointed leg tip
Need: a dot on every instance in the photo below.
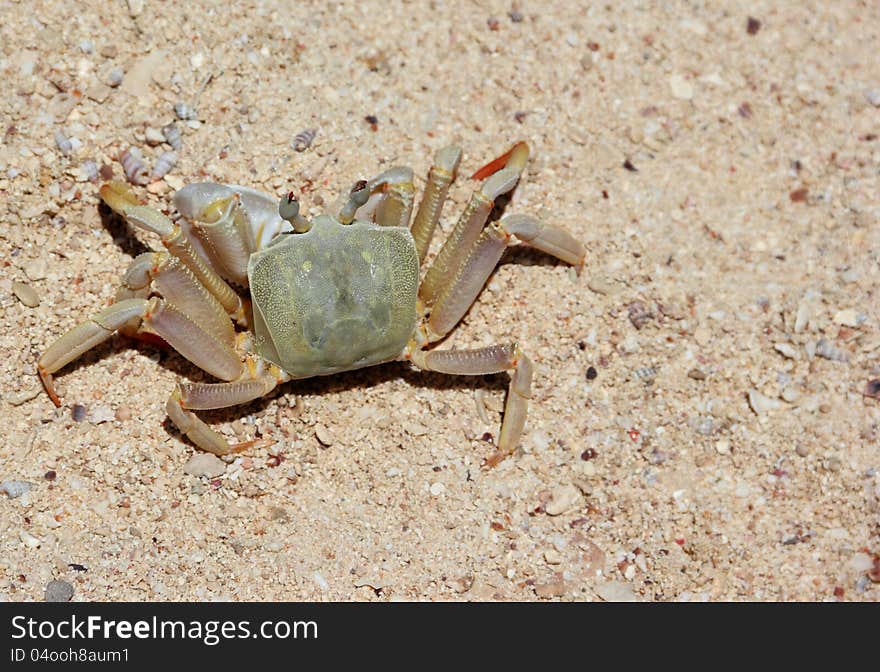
(49, 385)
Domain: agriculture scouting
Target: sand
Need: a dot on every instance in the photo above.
(723, 175)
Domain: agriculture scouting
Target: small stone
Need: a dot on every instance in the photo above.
(602, 285)
(847, 318)
(786, 350)
(153, 136)
(790, 394)
(15, 489)
(26, 294)
(802, 450)
(722, 447)
(639, 314)
(697, 374)
(109, 51)
(123, 413)
(873, 96)
(99, 92)
(324, 436)
(29, 540)
(21, 396)
(36, 269)
(761, 403)
(100, 414)
(615, 591)
(437, 489)
(58, 591)
(552, 556)
(553, 588)
(205, 465)
(563, 498)
(78, 412)
(681, 88)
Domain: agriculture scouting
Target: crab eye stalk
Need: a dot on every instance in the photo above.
(359, 195)
(288, 210)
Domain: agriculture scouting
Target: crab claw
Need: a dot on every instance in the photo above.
(515, 157)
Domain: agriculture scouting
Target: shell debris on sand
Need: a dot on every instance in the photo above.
(133, 166)
(303, 140)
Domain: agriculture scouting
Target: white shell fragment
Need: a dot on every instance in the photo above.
(827, 350)
(63, 143)
(761, 403)
(562, 499)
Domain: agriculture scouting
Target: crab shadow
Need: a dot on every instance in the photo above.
(121, 231)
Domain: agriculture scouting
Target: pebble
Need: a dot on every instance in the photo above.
(681, 88)
(153, 136)
(101, 414)
(205, 465)
(58, 591)
(873, 96)
(36, 269)
(602, 285)
(15, 489)
(437, 489)
(26, 294)
(552, 556)
(18, 398)
(702, 336)
(827, 350)
(78, 412)
(697, 374)
(114, 77)
(847, 318)
(29, 540)
(552, 588)
(563, 498)
(790, 394)
(324, 436)
(761, 403)
(615, 591)
(321, 581)
(723, 446)
(123, 413)
(786, 350)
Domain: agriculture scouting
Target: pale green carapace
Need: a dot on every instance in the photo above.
(336, 298)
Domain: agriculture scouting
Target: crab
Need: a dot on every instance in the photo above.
(255, 294)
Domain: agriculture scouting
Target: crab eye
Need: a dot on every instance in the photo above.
(288, 207)
(360, 193)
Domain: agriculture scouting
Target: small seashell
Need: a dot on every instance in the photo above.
(645, 373)
(184, 112)
(133, 166)
(63, 143)
(172, 136)
(303, 140)
(164, 164)
(827, 350)
(639, 314)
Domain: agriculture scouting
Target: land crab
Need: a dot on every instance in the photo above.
(311, 298)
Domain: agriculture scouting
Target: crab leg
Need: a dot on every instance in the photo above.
(440, 176)
(395, 208)
(471, 222)
(86, 336)
(123, 201)
(462, 289)
(156, 316)
(200, 396)
(481, 361)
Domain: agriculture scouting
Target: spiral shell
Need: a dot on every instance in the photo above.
(133, 166)
(184, 112)
(63, 143)
(303, 140)
(164, 164)
(172, 136)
